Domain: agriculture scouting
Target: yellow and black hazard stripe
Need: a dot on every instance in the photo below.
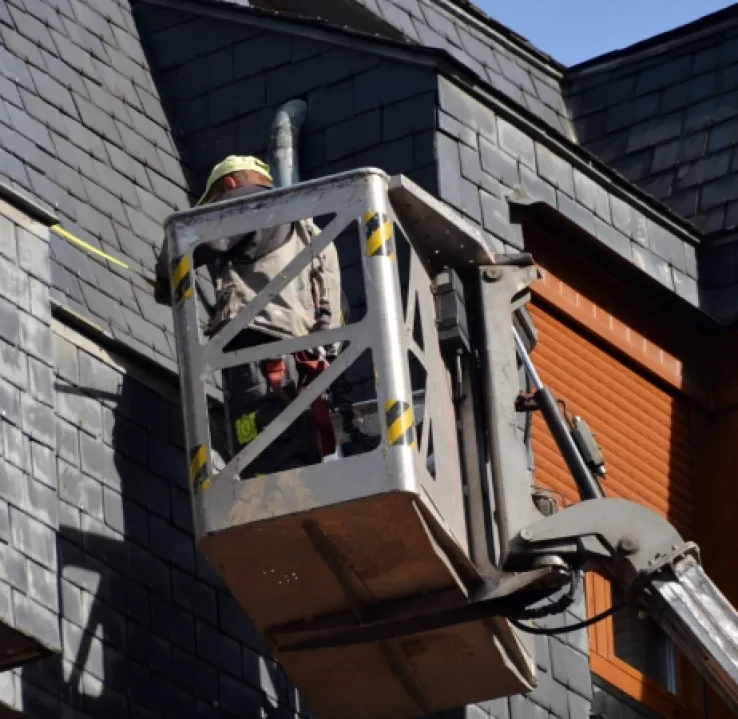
(380, 239)
(181, 279)
(199, 468)
(400, 423)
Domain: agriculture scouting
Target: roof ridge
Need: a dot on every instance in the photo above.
(521, 41)
(661, 42)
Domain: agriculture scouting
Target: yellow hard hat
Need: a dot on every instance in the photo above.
(234, 163)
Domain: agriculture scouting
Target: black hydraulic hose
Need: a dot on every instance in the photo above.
(587, 485)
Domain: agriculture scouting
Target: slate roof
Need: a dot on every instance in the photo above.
(504, 59)
(664, 113)
(82, 128)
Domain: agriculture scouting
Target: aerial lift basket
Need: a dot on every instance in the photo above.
(373, 542)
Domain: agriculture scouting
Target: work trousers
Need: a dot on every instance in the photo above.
(251, 405)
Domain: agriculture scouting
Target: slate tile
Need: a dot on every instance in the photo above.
(8, 246)
(9, 91)
(12, 168)
(374, 87)
(104, 202)
(729, 79)
(577, 213)
(471, 63)
(719, 191)
(25, 149)
(495, 215)
(468, 111)
(515, 73)
(399, 19)
(35, 337)
(498, 164)
(70, 179)
(656, 130)
(710, 112)
(571, 669)
(636, 168)
(625, 114)
(404, 118)
(449, 170)
(470, 203)
(32, 28)
(354, 135)
(5, 16)
(71, 257)
(731, 215)
(686, 93)
(522, 708)
(133, 247)
(147, 333)
(613, 238)
(92, 21)
(103, 306)
(138, 146)
(21, 48)
(159, 315)
(546, 114)
(152, 106)
(711, 220)
(83, 38)
(427, 37)
(118, 85)
(683, 149)
(548, 94)
(699, 172)
(554, 169)
(652, 265)
(578, 706)
(90, 219)
(53, 92)
(97, 119)
(723, 135)
(14, 68)
(536, 187)
(663, 75)
(27, 126)
(516, 143)
(457, 130)
(73, 55)
(478, 49)
(690, 260)
(686, 287)
(126, 66)
(440, 22)
(592, 195)
(9, 322)
(33, 254)
(142, 225)
(72, 155)
(14, 284)
(82, 137)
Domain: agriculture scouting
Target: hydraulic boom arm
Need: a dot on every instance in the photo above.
(660, 573)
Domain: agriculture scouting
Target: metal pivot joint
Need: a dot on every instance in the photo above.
(660, 573)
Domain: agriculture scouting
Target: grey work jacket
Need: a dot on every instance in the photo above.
(255, 259)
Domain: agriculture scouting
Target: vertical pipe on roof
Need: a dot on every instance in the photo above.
(284, 137)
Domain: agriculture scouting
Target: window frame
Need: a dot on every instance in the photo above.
(621, 675)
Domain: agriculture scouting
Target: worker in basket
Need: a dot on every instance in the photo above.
(255, 393)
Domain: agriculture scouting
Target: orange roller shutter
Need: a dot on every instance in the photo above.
(644, 430)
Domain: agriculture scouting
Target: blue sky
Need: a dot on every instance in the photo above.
(576, 30)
